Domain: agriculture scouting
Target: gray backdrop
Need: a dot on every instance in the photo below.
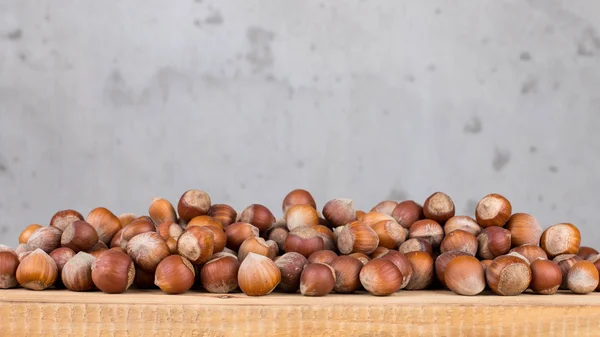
(113, 103)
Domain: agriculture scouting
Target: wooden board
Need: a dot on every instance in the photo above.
(408, 313)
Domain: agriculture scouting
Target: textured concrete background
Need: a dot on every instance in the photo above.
(113, 103)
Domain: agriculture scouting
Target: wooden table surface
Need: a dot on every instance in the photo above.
(407, 313)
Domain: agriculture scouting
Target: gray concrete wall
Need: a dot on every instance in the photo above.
(113, 103)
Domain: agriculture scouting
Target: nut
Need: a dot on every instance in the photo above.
(530, 252)
(277, 234)
(196, 244)
(427, 229)
(193, 203)
(586, 252)
(147, 250)
(565, 262)
(508, 275)
(8, 269)
(391, 234)
(359, 215)
(379, 252)
(595, 259)
(386, 207)
(422, 270)
(62, 219)
(402, 262)
(322, 256)
(407, 212)
(485, 263)
(126, 219)
(144, 279)
(113, 272)
(116, 240)
(562, 238)
(441, 262)
(258, 275)
(363, 258)
(45, 238)
(161, 210)
(98, 252)
(583, 277)
(22, 248)
(224, 214)
(460, 240)
(318, 279)
(465, 223)
(465, 276)
(381, 277)
(327, 235)
(237, 232)
(169, 230)
(259, 216)
(204, 221)
(220, 238)
(76, 274)
(347, 274)
(339, 212)
(220, 275)
(258, 246)
(546, 277)
(493, 242)
(105, 222)
(438, 207)
(37, 271)
(172, 244)
(372, 218)
(524, 229)
(290, 265)
(301, 215)
(79, 236)
(26, 233)
(304, 240)
(415, 245)
(174, 275)
(298, 197)
(99, 245)
(357, 237)
(493, 210)
(61, 256)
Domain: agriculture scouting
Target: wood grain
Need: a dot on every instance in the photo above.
(407, 313)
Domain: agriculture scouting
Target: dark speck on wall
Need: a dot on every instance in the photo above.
(300, 164)
(243, 186)
(397, 194)
(4, 229)
(118, 141)
(3, 168)
(214, 19)
(313, 47)
(197, 23)
(540, 198)
(525, 56)
(473, 126)
(529, 86)
(33, 174)
(259, 176)
(25, 205)
(553, 169)
(22, 57)
(501, 159)
(431, 67)
(588, 44)
(16, 159)
(315, 78)
(438, 11)
(553, 207)
(385, 112)
(532, 149)
(410, 78)
(15, 34)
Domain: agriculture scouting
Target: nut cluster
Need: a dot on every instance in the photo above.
(394, 246)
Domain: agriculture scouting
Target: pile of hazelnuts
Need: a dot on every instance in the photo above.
(394, 246)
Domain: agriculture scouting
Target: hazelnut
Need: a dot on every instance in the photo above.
(381, 277)
(147, 250)
(22, 248)
(8, 269)
(524, 229)
(391, 234)
(508, 275)
(357, 237)
(161, 210)
(363, 258)
(422, 270)
(493, 210)
(546, 277)
(595, 259)
(402, 262)
(5, 248)
(586, 252)
(407, 212)
(62, 219)
(144, 279)
(304, 240)
(438, 207)
(441, 262)
(172, 244)
(169, 230)
(196, 244)
(519, 256)
(192, 204)
(204, 221)
(98, 252)
(105, 222)
(416, 245)
(359, 215)
(116, 240)
(493, 242)
(237, 232)
(113, 272)
(485, 263)
(258, 246)
(61, 256)
(465, 223)
(327, 235)
(386, 207)
(258, 275)
(26, 233)
(379, 252)
(277, 234)
(126, 219)
(219, 275)
(37, 271)
(79, 236)
(99, 245)
(290, 265)
(347, 274)
(23, 255)
(583, 277)
(174, 275)
(530, 252)
(301, 215)
(318, 279)
(563, 238)
(322, 256)
(339, 212)
(298, 197)
(259, 216)
(427, 229)
(465, 276)
(460, 240)
(565, 262)
(371, 218)
(224, 214)
(45, 238)
(220, 238)
(221, 254)
(76, 275)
